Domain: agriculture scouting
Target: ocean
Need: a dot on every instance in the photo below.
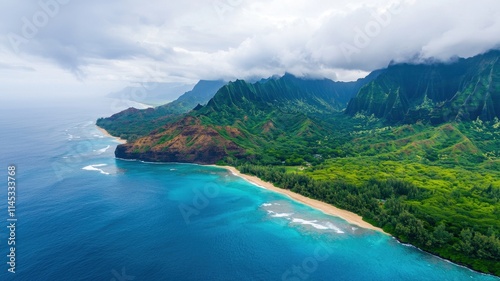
(84, 215)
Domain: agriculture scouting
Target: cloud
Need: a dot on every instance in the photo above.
(6, 66)
(192, 40)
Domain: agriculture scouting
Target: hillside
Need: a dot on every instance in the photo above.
(133, 123)
(288, 112)
(462, 90)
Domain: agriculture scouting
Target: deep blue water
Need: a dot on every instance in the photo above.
(83, 215)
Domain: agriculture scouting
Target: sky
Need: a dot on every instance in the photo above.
(53, 48)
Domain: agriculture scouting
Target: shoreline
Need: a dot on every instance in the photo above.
(326, 208)
(111, 136)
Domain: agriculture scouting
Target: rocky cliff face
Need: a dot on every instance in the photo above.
(183, 141)
(463, 90)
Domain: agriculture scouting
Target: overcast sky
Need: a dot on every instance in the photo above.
(95, 46)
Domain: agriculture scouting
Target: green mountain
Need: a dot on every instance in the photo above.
(461, 90)
(133, 123)
(289, 94)
(242, 119)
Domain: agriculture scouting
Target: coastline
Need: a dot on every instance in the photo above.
(316, 204)
(111, 136)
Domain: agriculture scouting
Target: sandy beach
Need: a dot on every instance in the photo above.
(322, 206)
(109, 135)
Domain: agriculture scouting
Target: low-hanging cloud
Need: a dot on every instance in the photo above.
(240, 39)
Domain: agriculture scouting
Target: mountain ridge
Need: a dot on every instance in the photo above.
(256, 111)
(437, 93)
(133, 123)
(464, 90)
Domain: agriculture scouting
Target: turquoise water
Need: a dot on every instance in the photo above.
(84, 215)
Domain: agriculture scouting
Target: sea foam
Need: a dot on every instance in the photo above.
(100, 151)
(281, 215)
(315, 224)
(312, 223)
(94, 168)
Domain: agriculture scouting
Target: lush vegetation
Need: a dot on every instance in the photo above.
(241, 120)
(417, 154)
(463, 90)
(437, 187)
